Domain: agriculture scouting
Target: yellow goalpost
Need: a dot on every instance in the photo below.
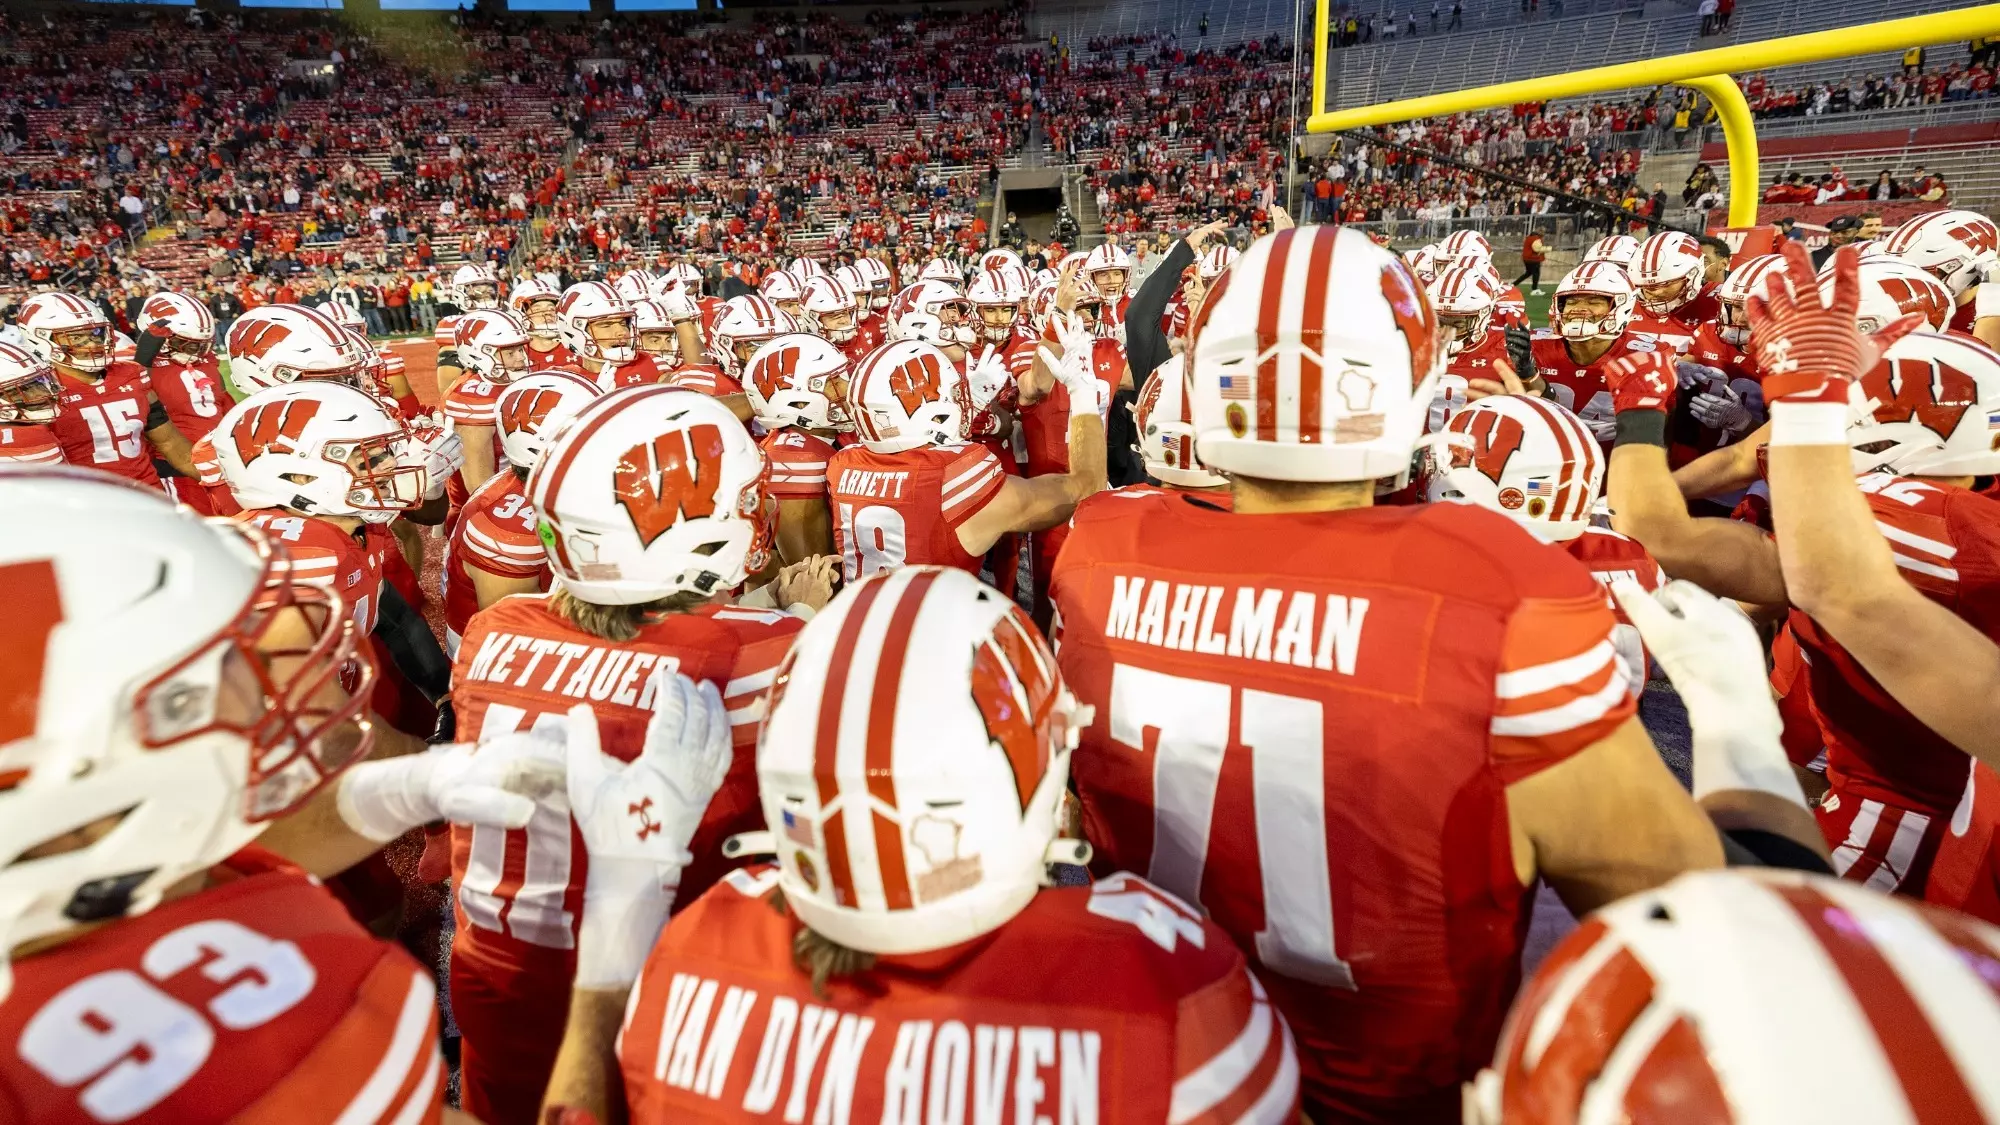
(1708, 72)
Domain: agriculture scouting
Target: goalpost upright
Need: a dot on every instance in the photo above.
(1708, 72)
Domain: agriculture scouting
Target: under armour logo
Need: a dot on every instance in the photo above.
(1778, 358)
(644, 811)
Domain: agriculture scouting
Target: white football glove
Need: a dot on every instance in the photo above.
(495, 784)
(678, 304)
(1086, 394)
(439, 452)
(1711, 653)
(637, 819)
(1722, 410)
(1986, 298)
(986, 377)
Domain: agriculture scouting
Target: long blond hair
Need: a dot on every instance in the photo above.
(620, 622)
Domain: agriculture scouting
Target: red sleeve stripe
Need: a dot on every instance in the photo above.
(406, 1052)
(1255, 1077)
(1554, 674)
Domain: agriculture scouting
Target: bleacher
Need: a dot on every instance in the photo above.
(1962, 154)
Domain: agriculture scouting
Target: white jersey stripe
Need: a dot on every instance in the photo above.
(1221, 1076)
(1949, 574)
(405, 1045)
(1909, 539)
(1570, 715)
(1536, 679)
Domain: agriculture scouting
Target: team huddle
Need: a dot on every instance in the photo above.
(815, 735)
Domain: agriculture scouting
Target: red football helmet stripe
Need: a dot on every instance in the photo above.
(1312, 374)
(881, 745)
(826, 744)
(1269, 306)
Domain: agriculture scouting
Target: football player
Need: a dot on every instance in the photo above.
(744, 325)
(186, 378)
(913, 491)
(1895, 783)
(833, 313)
(495, 549)
(163, 959)
(385, 377)
(535, 301)
(1591, 328)
(474, 286)
(1631, 998)
(649, 505)
(1674, 300)
(795, 383)
(784, 292)
(1166, 440)
(1961, 249)
(1475, 347)
(110, 417)
(492, 349)
(1272, 737)
(935, 313)
(30, 398)
(1618, 249)
(1534, 462)
(928, 917)
(1107, 268)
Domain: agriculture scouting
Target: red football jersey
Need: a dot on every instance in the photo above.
(1581, 386)
(897, 509)
(1946, 542)
(29, 445)
(327, 556)
(798, 462)
(520, 661)
(1147, 1017)
(471, 402)
(103, 424)
(1610, 556)
(495, 533)
(1478, 362)
(1214, 497)
(1676, 330)
(556, 356)
(1964, 317)
(258, 1001)
(1307, 723)
(704, 377)
(192, 394)
(638, 373)
(441, 335)
(1045, 425)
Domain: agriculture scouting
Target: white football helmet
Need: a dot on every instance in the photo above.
(906, 394)
(798, 380)
(475, 286)
(689, 276)
(1166, 430)
(1108, 267)
(933, 312)
(142, 711)
(937, 269)
(1685, 1003)
(1745, 280)
(1524, 457)
(186, 327)
(857, 285)
(1891, 289)
(1949, 245)
(1041, 299)
(30, 394)
(831, 309)
(1932, 409)
(321, 449)
(1593, 279)
(783, 291)
(66, 330)
(804, 269)
(595, 323)
(881, 285)
(1000, 257)
(345, 315)
(535, 301)
(1214, 260)
(1618, 249)
(996, 297)
(1423, 262)
(743, 325)
(1464, 298)
(1667, 271)
(532, 411)
(633, 285)
(1460, 245)
(492, 344)
(654, 327)
(968, 728)
(1336, 389)
(277, 345)
(652, 492)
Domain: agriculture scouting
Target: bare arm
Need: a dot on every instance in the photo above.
(1840, 570)
(478, 454)
(1608, 822)
(1722, 470)
(1723, 556)
(805, 529)
(1038, 503)
(173, 447)
(586, 1072)
(490, 588)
